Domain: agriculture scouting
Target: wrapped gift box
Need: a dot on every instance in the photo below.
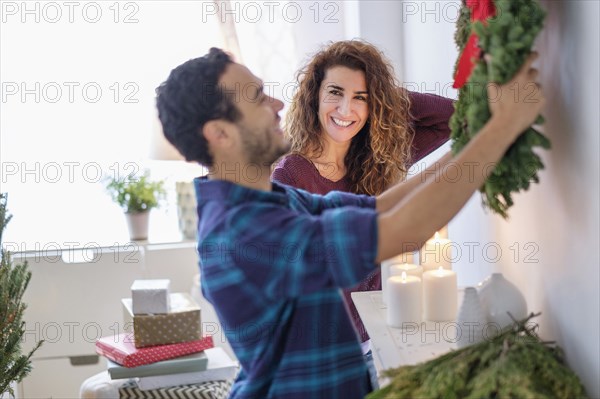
(180, 324)
(121, 349)
(206, 390)
(220, 367)
(150, 296)
(100, 386)
(183, 364)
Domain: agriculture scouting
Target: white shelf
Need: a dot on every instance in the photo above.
(395, 347)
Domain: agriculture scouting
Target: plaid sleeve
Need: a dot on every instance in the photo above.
(289, 254)
(316, 203)
(336, 199)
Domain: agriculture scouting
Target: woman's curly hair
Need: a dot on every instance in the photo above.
(379, 154)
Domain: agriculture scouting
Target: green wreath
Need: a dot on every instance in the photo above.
(508, 38)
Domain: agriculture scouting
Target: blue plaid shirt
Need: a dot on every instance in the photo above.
(272, 264)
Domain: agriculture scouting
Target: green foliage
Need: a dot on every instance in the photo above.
(508, 38)
(136, 195)
(463, 27)
(513, 364)
(14, 366)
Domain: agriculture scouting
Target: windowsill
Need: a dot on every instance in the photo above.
(81, 215)
(113, 233)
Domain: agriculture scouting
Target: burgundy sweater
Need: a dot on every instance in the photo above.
(430, 114)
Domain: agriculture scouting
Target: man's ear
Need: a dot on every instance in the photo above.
(217, 133)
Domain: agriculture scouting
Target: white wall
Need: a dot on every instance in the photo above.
(350, 19)
(550, 243)
(560, 216)
(379, 25)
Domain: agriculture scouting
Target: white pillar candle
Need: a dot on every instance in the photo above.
(440, 295)
(406, 257)
(410, 269)
(436, 253)
(397, 270)
(404, 300)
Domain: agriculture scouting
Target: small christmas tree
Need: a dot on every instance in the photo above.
(14, 366)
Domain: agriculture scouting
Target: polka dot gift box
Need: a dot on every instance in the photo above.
(180, 324)
(121, 349)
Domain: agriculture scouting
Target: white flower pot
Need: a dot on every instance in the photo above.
(138, 225)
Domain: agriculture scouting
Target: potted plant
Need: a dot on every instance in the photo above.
(136, 196)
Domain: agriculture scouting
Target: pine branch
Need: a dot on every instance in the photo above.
(14, 279)
(514, 364)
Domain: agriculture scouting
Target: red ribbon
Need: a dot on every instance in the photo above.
(481, 10)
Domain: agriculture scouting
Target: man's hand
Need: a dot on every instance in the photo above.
(516, 104)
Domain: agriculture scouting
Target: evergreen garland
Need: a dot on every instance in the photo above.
(514, 364)
(14, 366)
(508, 38)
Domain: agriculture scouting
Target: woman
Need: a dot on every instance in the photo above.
(353, 129)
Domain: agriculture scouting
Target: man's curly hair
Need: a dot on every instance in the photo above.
(379, 154)
(189, 98)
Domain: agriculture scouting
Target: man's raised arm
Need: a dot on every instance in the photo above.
(411, 219)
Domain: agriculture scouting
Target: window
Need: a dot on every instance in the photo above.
(77, 99)
(78, 82)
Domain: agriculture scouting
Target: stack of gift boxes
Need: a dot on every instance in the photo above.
(166, 350)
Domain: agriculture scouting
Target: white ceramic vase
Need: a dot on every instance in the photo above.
(499, 297)
(471, 319)
(138, 225)
(186, 209)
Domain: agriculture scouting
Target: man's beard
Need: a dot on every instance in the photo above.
(259, 147)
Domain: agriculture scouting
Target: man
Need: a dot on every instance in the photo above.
(272, 257)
